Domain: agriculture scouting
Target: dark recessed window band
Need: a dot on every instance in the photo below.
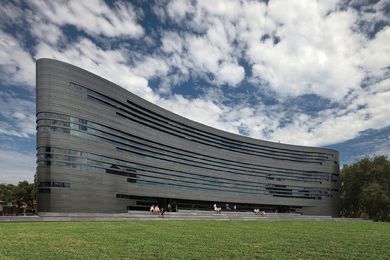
(231, 187)
(213, 190)
(53, 154)
(148, 170)
(125, 173)
(305, 189)
(234, 172)
(204, 159)
(73, 165)
(111, 130)
(242, 172)
(57, 184)
(95, 137)
(43, 190)
(142, 154)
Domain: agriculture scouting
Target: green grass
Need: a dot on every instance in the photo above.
(195, 240)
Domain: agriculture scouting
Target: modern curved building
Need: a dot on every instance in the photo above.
(101, 148)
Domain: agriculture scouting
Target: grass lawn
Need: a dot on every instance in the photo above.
(195, 240)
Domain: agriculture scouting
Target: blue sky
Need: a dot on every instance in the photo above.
(300, 72)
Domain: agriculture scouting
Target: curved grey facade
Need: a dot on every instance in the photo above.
(101, 148)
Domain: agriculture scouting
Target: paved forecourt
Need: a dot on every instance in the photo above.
(182, 215)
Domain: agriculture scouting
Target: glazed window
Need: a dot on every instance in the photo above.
(44, 190)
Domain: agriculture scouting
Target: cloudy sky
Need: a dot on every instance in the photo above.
(299, 71)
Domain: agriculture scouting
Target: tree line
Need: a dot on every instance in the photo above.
(365, 188)
(22, 193)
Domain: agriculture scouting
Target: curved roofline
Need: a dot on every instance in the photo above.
(211, 130)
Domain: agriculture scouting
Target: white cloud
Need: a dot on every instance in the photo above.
(212, 52)
(16, 65)
(203, 54)
(171, 43)
(376, 53)
(151, 67)
(319, 49)
(230, 73)
(19, 114)
(371, 15)
(223, 8)
(16, 166)
(94, 17)
(329, 126)
(46, 32)
(178, 9)
(316, 53)
(10, 14)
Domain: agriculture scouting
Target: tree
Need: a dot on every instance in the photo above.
(6, 192)
(24, 192)
(366, 188)
(375, 201)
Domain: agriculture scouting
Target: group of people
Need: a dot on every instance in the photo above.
(258, 212)
(217, 209)
(155, 209)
